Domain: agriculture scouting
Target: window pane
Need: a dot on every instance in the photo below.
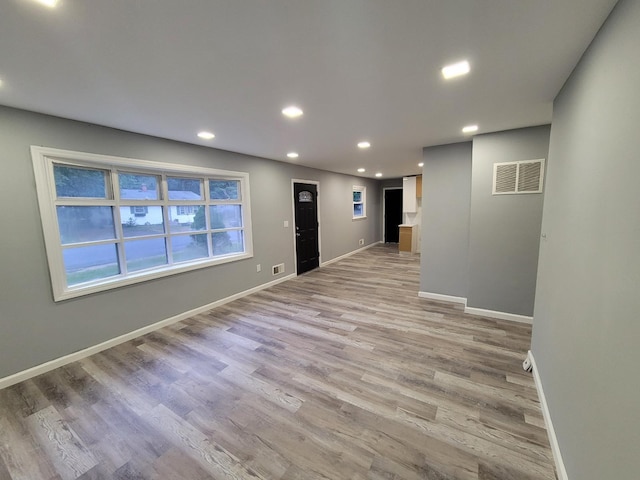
(357, 210)
(184, 188)
(357, 196)
(227, 242)
(224, 189)
(187, 218)
(189, 247)
(84, 264)
(85, 224)
(225, 216)
(80, 182)
(141, 254)
(138, 220)
(134, 186)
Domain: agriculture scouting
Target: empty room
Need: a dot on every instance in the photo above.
(319, 239)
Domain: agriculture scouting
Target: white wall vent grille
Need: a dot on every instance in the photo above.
(511, 178)
(504, 177)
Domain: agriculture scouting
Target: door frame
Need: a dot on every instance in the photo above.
(293, 216)
(384, 211)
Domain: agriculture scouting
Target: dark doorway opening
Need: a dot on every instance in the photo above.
(392, 214)
(305, 199)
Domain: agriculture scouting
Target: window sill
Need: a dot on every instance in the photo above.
(362, 217)
(109, 284)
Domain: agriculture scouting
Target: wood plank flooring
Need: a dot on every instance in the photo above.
(342, 373)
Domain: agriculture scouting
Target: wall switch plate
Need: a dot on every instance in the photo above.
(258, 268)
(286, 223)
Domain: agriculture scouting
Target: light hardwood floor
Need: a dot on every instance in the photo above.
(342, 373)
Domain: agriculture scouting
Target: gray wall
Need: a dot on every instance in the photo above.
(504, 229)
(446, 203)
(586, 326)
(34, 329)
(391, 183)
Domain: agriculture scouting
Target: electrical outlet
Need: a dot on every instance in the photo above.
(258, 268)
(361, 241)
(527, 366)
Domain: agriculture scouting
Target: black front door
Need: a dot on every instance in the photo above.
(305, 197)
(392, 214)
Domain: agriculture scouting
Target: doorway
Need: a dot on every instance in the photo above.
(392, 214)
(305, 206)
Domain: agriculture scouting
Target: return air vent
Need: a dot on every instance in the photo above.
(504, 177)
(518, 177)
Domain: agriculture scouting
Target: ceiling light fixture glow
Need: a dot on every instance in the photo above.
(361, 170)
(48, 3)
(292, 155)
(364, 145)
(470, 129)
(206, 135)
(421, 164)
(456, 70)
(292, 111)
(378, 174)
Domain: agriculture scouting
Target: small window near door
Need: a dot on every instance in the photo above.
(359, 202)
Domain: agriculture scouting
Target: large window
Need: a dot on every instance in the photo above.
(111, 221)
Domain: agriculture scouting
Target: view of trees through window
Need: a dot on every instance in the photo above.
(136, 181)
(80, 182)
(224, 189)
(184, 185)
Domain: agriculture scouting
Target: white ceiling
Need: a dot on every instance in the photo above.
(360, 70)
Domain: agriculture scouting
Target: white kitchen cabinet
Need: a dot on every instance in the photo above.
(409, 200)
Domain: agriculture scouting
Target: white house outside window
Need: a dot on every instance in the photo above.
(111, 221)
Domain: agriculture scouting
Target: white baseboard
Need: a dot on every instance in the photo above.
(476, 311)
(341, 257)
(499, 315)
(553, 440)
(443, 298)
(72, 357)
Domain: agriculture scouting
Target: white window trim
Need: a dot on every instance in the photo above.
(363, 189)
(43, 159)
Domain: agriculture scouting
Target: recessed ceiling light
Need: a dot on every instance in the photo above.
(364, 145)
(361, 170)
(292, 111)
(292, 155)
(378, 174)
(470, 129)
(48, 3)
(421, 164)
(456, 70)
(206, 135)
